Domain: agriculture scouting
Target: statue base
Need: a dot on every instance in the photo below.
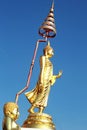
(30, 129)
(41, 121)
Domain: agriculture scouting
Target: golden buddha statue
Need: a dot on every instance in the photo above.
(38, 97)
(11, 114)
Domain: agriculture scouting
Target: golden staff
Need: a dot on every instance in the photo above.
(31, 69)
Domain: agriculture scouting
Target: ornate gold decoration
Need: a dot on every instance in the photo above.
(48, 28)
(11, 114)
(39, 120)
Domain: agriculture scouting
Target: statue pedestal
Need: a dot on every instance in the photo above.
(33, 129)
(38, 121)
(30, 129)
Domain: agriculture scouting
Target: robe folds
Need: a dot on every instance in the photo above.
(39, 95)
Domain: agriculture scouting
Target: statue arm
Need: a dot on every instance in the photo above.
(54, 77)
(42, 66)
(7, 123)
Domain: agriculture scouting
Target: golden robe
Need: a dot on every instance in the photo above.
(39, 95)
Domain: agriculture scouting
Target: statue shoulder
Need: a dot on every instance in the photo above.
(9, 123)
(7, 120)
(42, 59)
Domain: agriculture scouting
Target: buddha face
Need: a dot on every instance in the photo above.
(50, 53)
(15, 114)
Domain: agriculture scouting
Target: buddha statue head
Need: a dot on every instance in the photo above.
(11, 110)
(48, 50)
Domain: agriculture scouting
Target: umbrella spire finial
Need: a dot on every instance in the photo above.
(53, 4)
(48, 29)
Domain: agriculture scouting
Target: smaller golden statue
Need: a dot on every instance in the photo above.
(11, 114)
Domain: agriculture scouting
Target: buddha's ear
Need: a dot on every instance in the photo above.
(8, 113)
(45, 53)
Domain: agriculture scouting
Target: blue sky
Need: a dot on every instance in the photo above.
(19, 23)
